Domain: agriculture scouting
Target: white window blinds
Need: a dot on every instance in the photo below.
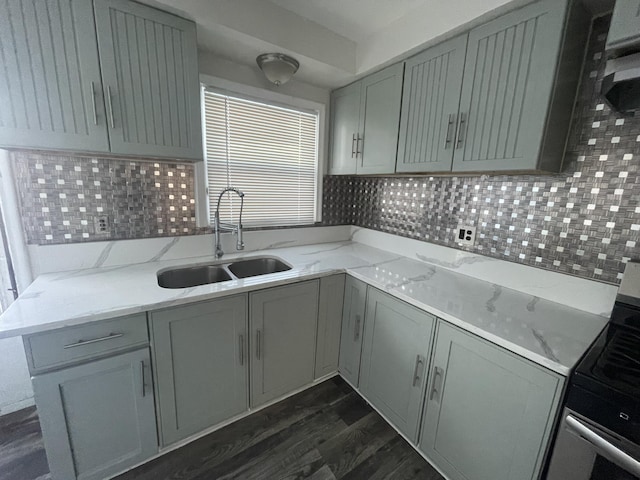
(268, 152)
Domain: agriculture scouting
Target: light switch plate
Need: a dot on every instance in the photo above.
(466, 235)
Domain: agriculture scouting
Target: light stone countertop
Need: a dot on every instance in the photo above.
(547, 333)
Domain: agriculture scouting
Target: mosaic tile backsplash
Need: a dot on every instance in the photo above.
(585, 221)
(62, 197)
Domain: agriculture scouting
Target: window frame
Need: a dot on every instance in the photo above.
(247, 92)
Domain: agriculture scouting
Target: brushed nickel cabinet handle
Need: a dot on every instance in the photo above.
(93, 104)
(353, 145)
(258, 346)
(416, 377)
(81, 343)
(241, 342)
(144, 386)
(451, 123)
(359, 151)
(110, 106)
(435, 388)
(462, 124)
(356, 330)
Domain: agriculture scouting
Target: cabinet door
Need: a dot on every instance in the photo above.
(97, 419)
(430, 101)
(395, 357)
(150, 70)
(345, 119)
(355, 296)
(380, 121)
(283, 339)
(50, 87)
(200, 354)
(506, 92)
(625, 24)
(489, 413)
(329, 324)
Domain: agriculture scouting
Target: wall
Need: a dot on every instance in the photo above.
(61, 195)
(584, 222)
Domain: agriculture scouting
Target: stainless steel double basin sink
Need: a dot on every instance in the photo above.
(194, 275)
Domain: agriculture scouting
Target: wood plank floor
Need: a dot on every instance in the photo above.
(324, 433)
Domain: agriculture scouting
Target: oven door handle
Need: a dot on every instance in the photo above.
(612, 452)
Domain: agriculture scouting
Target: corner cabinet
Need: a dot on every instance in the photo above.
(395, 359)
(283, 323)
(98, 418)
(201, 358)
(50, 84)
(488, 413)
(355, 297)
(329, 324)
(114, 76)
(365, 119)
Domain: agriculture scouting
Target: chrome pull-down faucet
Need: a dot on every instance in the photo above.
(218, 226)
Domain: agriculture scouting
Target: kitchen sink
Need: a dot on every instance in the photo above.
(257, 266)
(192, 276)
(184, 277)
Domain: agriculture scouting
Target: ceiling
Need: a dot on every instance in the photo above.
(354, 19)
(335, 41)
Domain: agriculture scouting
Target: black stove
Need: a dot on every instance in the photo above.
(606, 384)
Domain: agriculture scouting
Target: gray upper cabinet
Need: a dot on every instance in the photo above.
(489, 413)
(380, 120)
(365, 121)
(395, 357)
(514, 114)
(430, 102)
(625, 24)
(345, 124)
(283, 323)
(99, 418)
(50, 86)
(355, 296)
(150, 75)
(201, 358)
(329, 324)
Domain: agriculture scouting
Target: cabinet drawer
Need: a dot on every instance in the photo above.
(49, 350)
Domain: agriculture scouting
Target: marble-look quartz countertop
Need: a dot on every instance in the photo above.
(550, 334)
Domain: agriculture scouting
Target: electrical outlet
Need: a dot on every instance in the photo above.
(101, 225)
(466, 235)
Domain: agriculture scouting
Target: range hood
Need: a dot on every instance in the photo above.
(621, 83)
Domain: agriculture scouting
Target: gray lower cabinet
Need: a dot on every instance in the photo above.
(355, 296)
(430, 101)
(201, 358)
(625, 24)
(50, 85)
(150, 74)
(283, 325)
(98, 418)
(395, 357)
(329, 324)
(488, 413)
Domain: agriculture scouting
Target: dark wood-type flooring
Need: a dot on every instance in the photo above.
(326, 432)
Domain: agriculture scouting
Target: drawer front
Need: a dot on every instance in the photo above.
(56, 348)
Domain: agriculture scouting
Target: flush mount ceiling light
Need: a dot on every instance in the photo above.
(277, 67)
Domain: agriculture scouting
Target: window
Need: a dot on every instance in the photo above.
(269, 152)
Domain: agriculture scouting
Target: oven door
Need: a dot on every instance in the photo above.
(585, 451)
